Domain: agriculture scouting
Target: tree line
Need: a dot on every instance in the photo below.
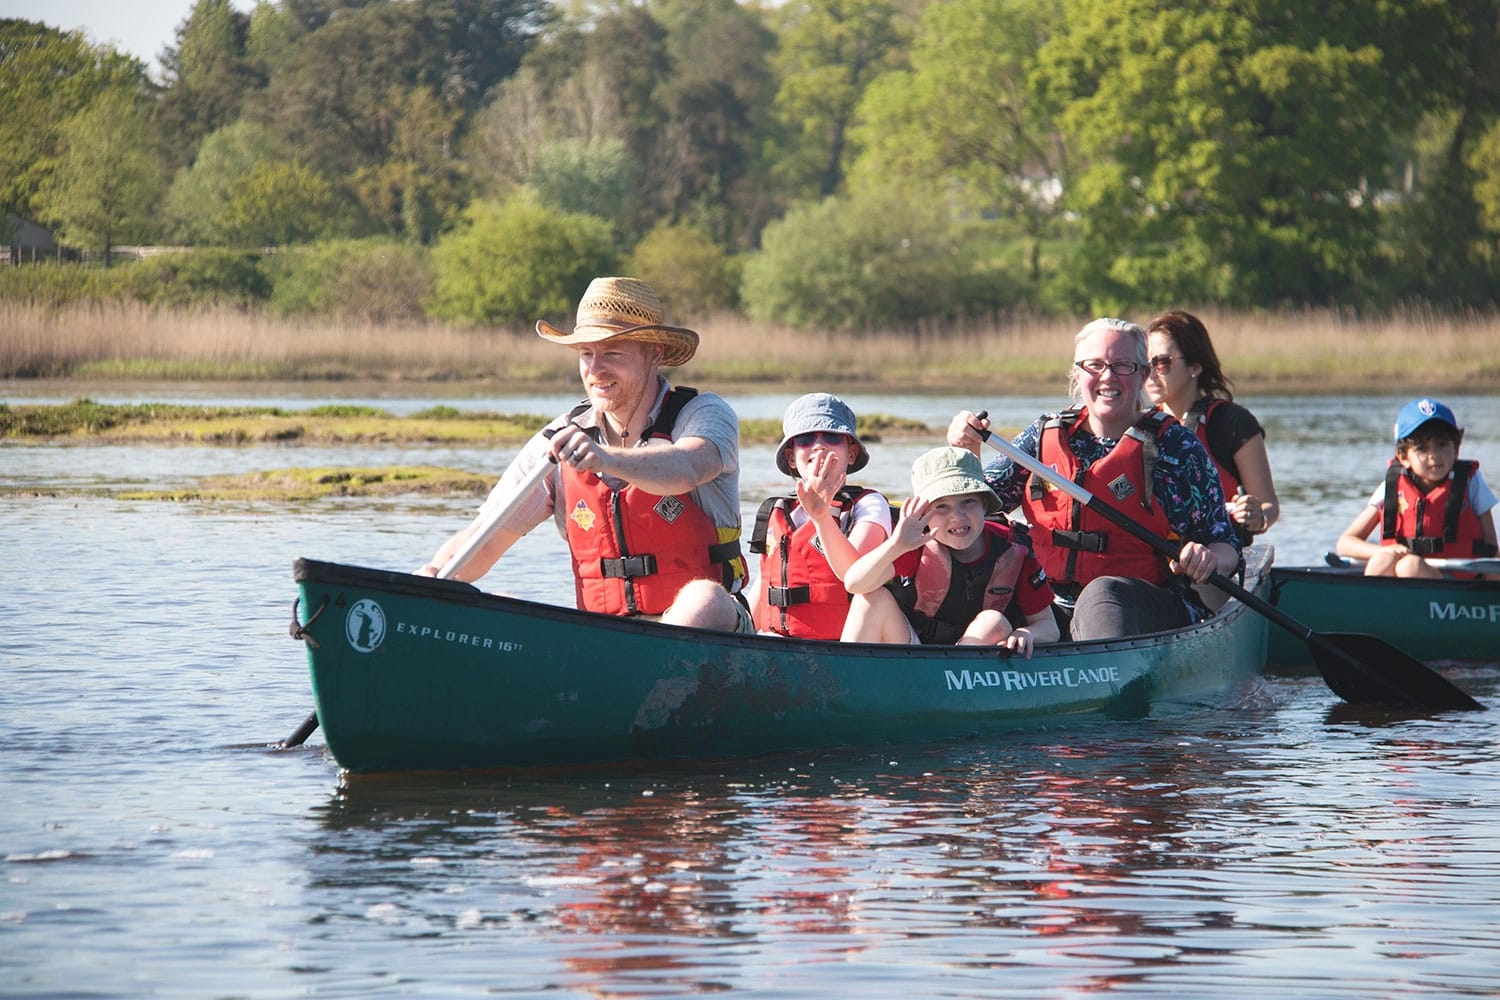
(845, 164)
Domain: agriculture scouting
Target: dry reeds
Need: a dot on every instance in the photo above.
(1314, 351)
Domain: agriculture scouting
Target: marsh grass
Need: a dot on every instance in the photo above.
(1310, 350)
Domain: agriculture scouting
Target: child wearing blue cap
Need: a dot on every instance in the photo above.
(1432, 503)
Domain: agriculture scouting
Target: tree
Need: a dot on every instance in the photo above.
(963, 121)
(106, 183)
(197, 204)
(513, 261)
(875, 258)
(420, 185)
(208, 75)
(46, 77)
(1227, 151)
(278, 203)
(829, 52)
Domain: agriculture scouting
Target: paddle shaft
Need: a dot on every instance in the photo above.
(1319, 643)
(483, 532)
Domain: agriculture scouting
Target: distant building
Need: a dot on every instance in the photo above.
(23, 242)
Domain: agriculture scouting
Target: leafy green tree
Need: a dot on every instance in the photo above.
(829, 52)
(717, 100)
(688, 270)
(963, 120)
(278, 203)
(197, 203)
(46, 77)
(875, 258)
(1226, 149)
(512, 261)
(208, 75)
(594, 178)
(106, 183)
(420, 185)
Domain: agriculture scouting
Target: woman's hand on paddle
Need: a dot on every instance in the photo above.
(1245, 510)
(963, 430)
(1196, 562)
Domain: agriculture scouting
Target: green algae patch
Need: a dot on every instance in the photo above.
(319, 484)
(84, 421)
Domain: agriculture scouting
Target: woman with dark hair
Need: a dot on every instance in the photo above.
(1187, 381)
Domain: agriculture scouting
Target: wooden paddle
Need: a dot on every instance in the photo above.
(484, 532)
(1361, 669)
(1474, 565)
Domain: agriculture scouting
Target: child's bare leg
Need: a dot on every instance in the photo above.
(1415, 567)
(989, 628)
(876, 617)
(1383, 563)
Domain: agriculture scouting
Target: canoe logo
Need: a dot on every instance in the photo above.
(582, 516)
(364, 625)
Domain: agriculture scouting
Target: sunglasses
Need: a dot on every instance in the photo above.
(1098, 366)
(1162, 363)
(809, 438)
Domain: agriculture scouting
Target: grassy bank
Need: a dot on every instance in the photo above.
(1303, 351)
(85, 422)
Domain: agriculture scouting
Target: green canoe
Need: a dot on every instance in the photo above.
(1432, 620)
(415, 673)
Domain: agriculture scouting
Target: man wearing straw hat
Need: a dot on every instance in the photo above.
(646, 484)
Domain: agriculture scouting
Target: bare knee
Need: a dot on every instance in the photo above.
(703, 604)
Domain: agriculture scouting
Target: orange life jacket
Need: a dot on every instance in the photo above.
(1438, 522)
(1073, 543)
(632, 550)
(800, 593)
(941, 596)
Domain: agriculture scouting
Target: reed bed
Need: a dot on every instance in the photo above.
(1291, 351)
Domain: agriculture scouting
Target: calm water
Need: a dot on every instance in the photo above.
(152, 846)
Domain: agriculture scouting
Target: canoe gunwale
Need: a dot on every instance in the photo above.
(455, 592)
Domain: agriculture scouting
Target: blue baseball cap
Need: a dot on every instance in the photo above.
(1418, 412)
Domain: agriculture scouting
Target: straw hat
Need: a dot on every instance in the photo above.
(624, 309)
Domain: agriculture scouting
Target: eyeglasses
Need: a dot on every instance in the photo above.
(1098, 366)
(1162, 363)
(809, 438)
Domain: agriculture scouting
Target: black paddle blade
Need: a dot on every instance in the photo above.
(1365, 670)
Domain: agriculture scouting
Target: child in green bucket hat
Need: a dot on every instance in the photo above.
(949, 575)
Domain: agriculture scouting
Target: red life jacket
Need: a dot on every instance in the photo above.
(1437, 522)
(941, 595)
(1197, 421)
(1076, 545)
(800, 593)
(632, 551)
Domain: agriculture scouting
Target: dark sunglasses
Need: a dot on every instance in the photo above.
(809, 438)
(1098, 366)
(1162, 363)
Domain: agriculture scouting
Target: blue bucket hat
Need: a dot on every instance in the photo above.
(1418, 412)
(819, 411)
